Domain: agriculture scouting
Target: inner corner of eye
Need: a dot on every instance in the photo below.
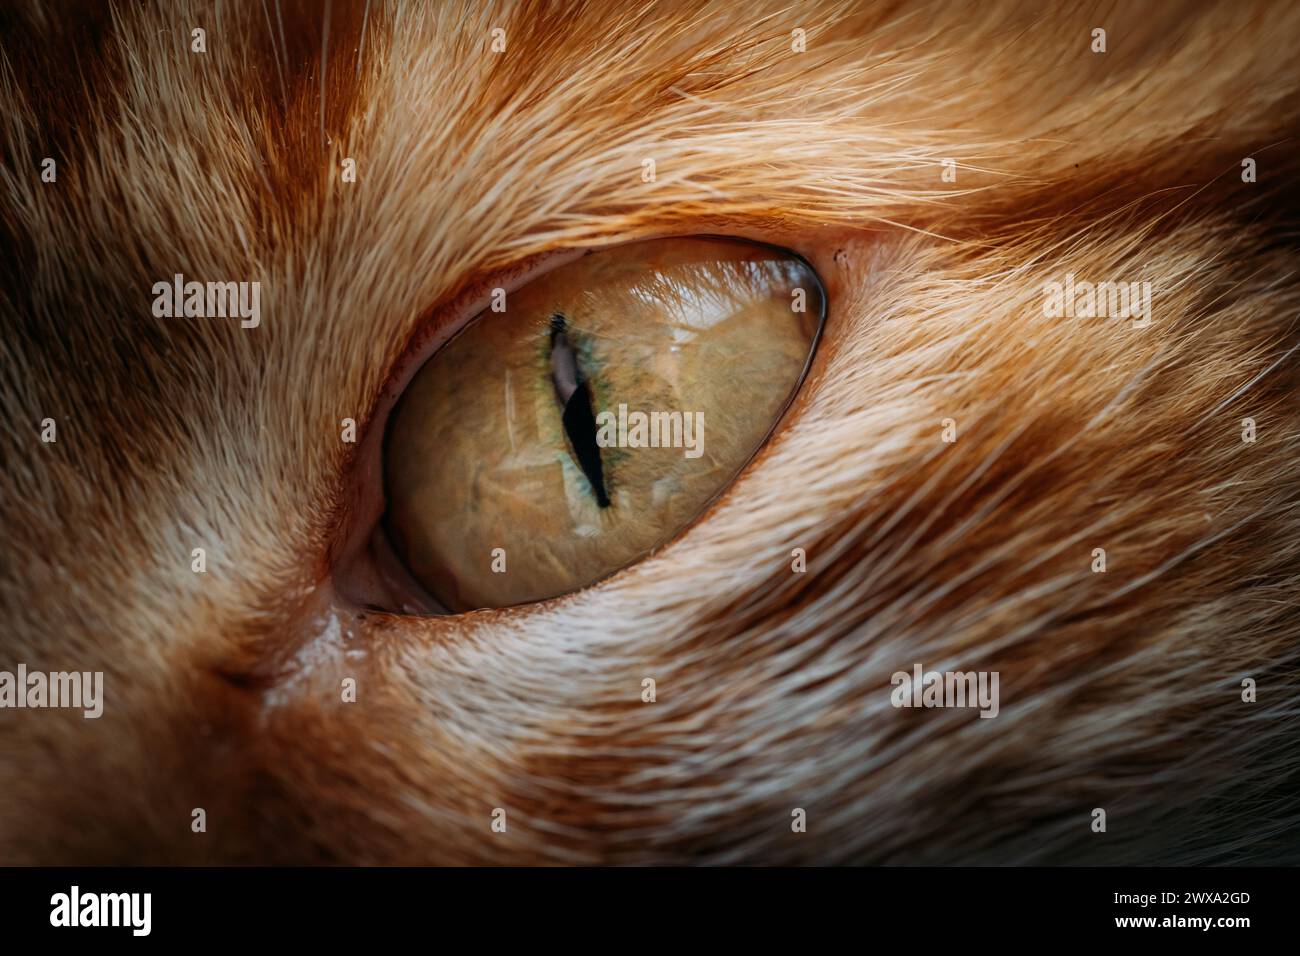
(550, 444)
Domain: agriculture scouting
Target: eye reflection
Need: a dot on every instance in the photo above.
(548, 446)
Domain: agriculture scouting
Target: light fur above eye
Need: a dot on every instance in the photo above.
(594, 417)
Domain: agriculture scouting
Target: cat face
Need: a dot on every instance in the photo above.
(1059, 278)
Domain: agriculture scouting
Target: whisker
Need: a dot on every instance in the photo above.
(324, 65)
(361, 44)
(279, 68)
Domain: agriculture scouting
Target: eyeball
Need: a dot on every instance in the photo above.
(548, 446)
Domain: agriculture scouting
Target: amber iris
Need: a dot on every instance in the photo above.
(547, 446)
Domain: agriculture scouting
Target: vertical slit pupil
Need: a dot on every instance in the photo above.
(574, 397)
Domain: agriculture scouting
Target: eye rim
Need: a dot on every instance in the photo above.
(429, 339)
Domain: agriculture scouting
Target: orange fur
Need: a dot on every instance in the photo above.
(1119, 690)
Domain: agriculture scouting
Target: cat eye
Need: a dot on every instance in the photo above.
(555, 442)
